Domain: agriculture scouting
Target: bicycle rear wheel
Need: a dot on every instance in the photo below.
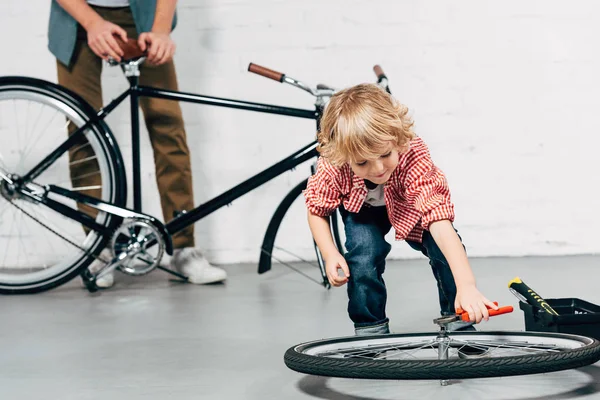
(416, 356)
(39, 247)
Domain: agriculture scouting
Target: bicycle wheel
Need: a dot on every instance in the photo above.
(415, 356)
(39, 247)
(288, 239)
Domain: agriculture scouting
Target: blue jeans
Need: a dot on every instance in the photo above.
(366, 250)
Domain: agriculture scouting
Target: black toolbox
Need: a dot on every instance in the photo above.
(576, 316)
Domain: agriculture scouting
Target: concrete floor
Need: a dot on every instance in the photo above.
(153, 338)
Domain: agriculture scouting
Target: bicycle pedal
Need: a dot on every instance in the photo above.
(89, 280)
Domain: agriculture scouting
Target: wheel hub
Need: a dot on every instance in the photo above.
(9, 186)
(12, 188)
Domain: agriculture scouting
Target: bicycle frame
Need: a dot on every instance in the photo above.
(187, 217)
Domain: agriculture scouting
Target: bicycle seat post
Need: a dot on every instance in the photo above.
(131, 69)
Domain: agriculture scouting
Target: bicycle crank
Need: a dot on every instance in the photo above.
(140, 246)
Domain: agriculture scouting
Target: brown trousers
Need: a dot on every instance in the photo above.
(163, 119)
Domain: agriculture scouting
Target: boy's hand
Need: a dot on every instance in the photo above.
(472, 301)
(332, 265)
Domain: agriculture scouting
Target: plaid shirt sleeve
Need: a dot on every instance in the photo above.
(425, 186)
(323, 195)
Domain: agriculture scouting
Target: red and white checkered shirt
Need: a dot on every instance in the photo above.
(416, 194)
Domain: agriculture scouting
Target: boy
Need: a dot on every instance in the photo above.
(374, 168)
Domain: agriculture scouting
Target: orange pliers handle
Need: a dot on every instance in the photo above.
(502, 310)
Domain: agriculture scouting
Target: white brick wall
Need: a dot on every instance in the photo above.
(505, 93)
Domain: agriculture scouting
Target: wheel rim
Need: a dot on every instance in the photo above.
(426, 348)
(29, 253)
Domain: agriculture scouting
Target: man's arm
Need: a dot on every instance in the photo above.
(81, 11)
(163, 19)
(158, 42)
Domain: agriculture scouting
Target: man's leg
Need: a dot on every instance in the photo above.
(84, 78)
(164, 121)
(167, 134)
(165, 125)
(173, 171)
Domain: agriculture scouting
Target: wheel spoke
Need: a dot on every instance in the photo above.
(39, 246)
(420, 349)
(499, 347)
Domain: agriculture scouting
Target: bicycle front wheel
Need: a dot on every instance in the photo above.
(288, 239)
(41, 248)
(416, 356)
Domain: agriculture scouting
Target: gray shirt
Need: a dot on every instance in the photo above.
(62, 29)
(109, 3)
(376, 197)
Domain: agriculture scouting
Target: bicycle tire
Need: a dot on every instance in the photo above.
(297, 359)
(103, 143)
(267, 247)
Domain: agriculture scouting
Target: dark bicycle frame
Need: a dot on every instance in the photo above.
(189, 217)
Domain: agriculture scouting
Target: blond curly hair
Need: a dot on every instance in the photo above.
(361, 120)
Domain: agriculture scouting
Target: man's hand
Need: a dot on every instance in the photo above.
(160, 47)
(332, 264)
(472, 301)
(101, 40)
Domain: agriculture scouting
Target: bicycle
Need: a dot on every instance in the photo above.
(138, 240)
(443, 355)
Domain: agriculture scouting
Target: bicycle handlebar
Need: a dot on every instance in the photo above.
(266, 72)
(382, 79)
(321, 90)
(379, 72)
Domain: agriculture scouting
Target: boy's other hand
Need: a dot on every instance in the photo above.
(332, 266)
(471, 300)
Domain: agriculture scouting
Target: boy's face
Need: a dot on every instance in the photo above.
(379, 169)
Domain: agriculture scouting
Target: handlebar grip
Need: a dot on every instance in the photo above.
(524, 293)
(266, 72)
(382, 80)
(379, 72)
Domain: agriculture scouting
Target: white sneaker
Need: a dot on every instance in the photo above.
(192, 263)
(107, 280)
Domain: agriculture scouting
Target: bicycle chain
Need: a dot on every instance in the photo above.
(86, 252)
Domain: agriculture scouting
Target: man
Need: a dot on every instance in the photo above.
(81, 35)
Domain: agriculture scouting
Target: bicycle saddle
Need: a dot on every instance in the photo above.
(131, 50)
